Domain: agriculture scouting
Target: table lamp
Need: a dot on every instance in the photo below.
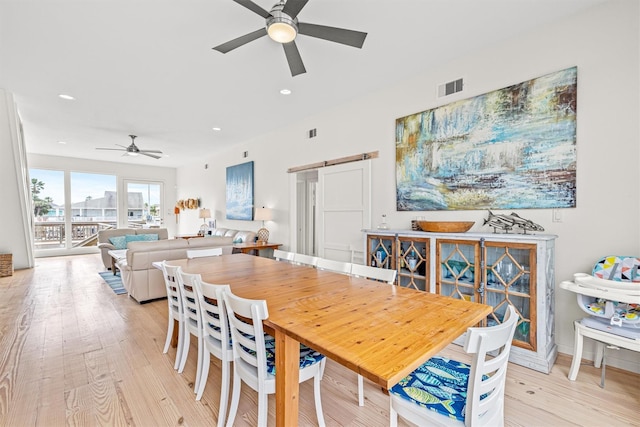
(263, 214)
(204, 214)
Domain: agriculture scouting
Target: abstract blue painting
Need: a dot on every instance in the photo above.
(512, 148)
(240, 191)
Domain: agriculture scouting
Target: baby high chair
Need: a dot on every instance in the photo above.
(611, 298)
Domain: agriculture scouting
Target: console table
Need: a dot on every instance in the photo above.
(254, 248)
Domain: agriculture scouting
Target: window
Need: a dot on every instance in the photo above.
(144, 204)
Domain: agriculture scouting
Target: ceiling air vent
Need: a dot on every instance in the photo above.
(451, 87)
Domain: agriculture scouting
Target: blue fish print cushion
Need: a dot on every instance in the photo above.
(308, 356)
(440, 384)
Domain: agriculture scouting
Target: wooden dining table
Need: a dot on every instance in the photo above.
(381, 331)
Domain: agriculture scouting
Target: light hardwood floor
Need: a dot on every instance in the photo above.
(74, 353)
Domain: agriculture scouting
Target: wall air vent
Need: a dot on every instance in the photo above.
(449, 88)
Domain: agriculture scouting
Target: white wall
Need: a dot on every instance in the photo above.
(14, 224)
(603, 43)
(123, 171)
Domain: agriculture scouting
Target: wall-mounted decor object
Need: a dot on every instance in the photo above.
(513, 148)
(240, 191)
(183, 204)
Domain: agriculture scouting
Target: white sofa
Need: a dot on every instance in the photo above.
(105, 245)
(144, 282)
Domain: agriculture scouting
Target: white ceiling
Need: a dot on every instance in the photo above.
(147, 66)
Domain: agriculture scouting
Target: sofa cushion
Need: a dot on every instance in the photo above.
(141, 237)
(210, 242)
(218, 231)
(120, 242)
(245, 236)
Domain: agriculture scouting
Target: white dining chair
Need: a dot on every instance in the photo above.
(216, 340)
(192, 321)
(201, 253)
(176, 313)
(435, 392)
(303, 259)
(281, 255)
(386, 275)
(378, 274)
(254, 357)
(333, 265)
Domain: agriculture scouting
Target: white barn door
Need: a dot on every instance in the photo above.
(344, 210)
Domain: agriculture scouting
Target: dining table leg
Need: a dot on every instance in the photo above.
(287, 379)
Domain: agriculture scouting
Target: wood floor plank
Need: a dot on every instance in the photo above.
(74, 353)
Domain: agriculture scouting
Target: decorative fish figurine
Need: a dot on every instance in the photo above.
(508, 222)
(427, 398)
(525, 224)
(502, 222)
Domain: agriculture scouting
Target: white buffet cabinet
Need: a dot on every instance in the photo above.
(494, 269)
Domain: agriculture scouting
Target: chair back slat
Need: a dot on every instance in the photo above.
(488, 376)
(201, 253)
(174, 297)
(187, 283)
(333, 265)
(302, 259)
(214, 315)
(245, 321)
(374, 273)
(281, 255)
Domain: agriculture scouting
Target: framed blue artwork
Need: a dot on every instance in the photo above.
(513, 148)
(240, 191)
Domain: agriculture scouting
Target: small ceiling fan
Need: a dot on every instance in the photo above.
(282, 26)
(133, 150)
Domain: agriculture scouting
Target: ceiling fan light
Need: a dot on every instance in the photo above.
(132, 153)
(282, 32)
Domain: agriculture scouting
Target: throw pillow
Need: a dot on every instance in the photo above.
(120, 242)
(141, 237)
(238, 240)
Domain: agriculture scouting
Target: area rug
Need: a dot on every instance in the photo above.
(114, 282)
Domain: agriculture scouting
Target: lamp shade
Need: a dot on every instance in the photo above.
(263, 214)
(204, 213)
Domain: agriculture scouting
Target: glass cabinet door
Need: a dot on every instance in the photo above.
(456, 269)
(510, 279)
(380, 251)
(413, 263)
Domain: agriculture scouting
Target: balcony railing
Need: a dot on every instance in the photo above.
(51, 234)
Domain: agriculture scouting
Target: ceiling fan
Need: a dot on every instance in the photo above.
(133, 150)
(282, 26)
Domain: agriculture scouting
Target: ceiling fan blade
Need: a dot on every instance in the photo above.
(254, 8)
(337, 35)
(144, 153)
(293, 58)
(242, 40)
(114, 149)
(150, 151)
(293, 7)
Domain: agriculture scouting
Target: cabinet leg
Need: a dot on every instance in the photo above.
(577, 353)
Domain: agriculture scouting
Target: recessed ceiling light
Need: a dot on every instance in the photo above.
(67, 97)
(285, 92)
(62, 142)
(217, 129)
